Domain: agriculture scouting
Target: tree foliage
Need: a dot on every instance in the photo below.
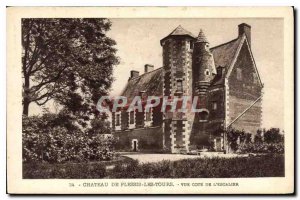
(54, 138)
(68, 60)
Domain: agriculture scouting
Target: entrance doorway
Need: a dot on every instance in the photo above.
(134, 145)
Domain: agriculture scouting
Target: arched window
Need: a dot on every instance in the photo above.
(207, 72)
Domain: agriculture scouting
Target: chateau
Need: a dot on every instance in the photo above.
(224, 78)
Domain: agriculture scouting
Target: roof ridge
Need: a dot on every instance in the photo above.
(225, 43)
(145, 73)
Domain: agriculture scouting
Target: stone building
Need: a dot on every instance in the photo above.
(224, 78)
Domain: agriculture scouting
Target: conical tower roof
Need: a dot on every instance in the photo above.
(201, 37)
(179, 31)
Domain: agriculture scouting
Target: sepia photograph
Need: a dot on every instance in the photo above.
(201, 99)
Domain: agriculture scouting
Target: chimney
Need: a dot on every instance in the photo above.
(245, 28)
(148, 68)
(134, 74)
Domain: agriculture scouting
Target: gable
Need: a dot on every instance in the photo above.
(244, 61)
(243, 79)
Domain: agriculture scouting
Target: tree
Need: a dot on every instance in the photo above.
(273, 136)
(68, 60)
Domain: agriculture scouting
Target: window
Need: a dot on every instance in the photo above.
(179, 86)
(207, 72)
(131, 117)
(118, 120)
(239, 74)
(214, 105)
(148, 116)
(191, 44)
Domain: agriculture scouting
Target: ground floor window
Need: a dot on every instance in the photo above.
(118, 120)
(131, 117)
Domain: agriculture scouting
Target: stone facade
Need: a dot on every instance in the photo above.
(224, 78)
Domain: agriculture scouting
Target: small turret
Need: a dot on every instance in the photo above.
(204, 68)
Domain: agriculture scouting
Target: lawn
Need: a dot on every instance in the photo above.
(260, 166)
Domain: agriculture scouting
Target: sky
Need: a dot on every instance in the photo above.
(138, 43)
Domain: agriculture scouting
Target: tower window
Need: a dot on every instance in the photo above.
(207, 72)
(191, 44)
(179, 86)
(214, 105)
(131, 117)
(239, 74)
(118, 120)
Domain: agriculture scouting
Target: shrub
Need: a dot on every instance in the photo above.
(273, 136)
(237, 137)
(64, 171)
(262, 147)
(46, 139)
(263, 166)
(265, 141)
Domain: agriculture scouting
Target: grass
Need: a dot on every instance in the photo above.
(263, 166)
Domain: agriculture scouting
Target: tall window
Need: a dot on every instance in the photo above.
(179, 86)
(118, 120)
(148, 116)
(239, 74)
(131, 117)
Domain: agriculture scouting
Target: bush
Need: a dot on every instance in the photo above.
(262, 148)
(273, 136)
(264, 166)
(47, 139)
(237, 137)
(64, 171)
(265, 141)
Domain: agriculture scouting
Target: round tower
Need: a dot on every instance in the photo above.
(177, 62)
(204, 68)
(177, 74)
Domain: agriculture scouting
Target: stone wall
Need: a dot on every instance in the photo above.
(243, 89)
(148, 139)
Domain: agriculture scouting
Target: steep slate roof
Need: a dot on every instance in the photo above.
(150, 82)
(201, 37)
(223, 56)
(224, 53)
(179, 31)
